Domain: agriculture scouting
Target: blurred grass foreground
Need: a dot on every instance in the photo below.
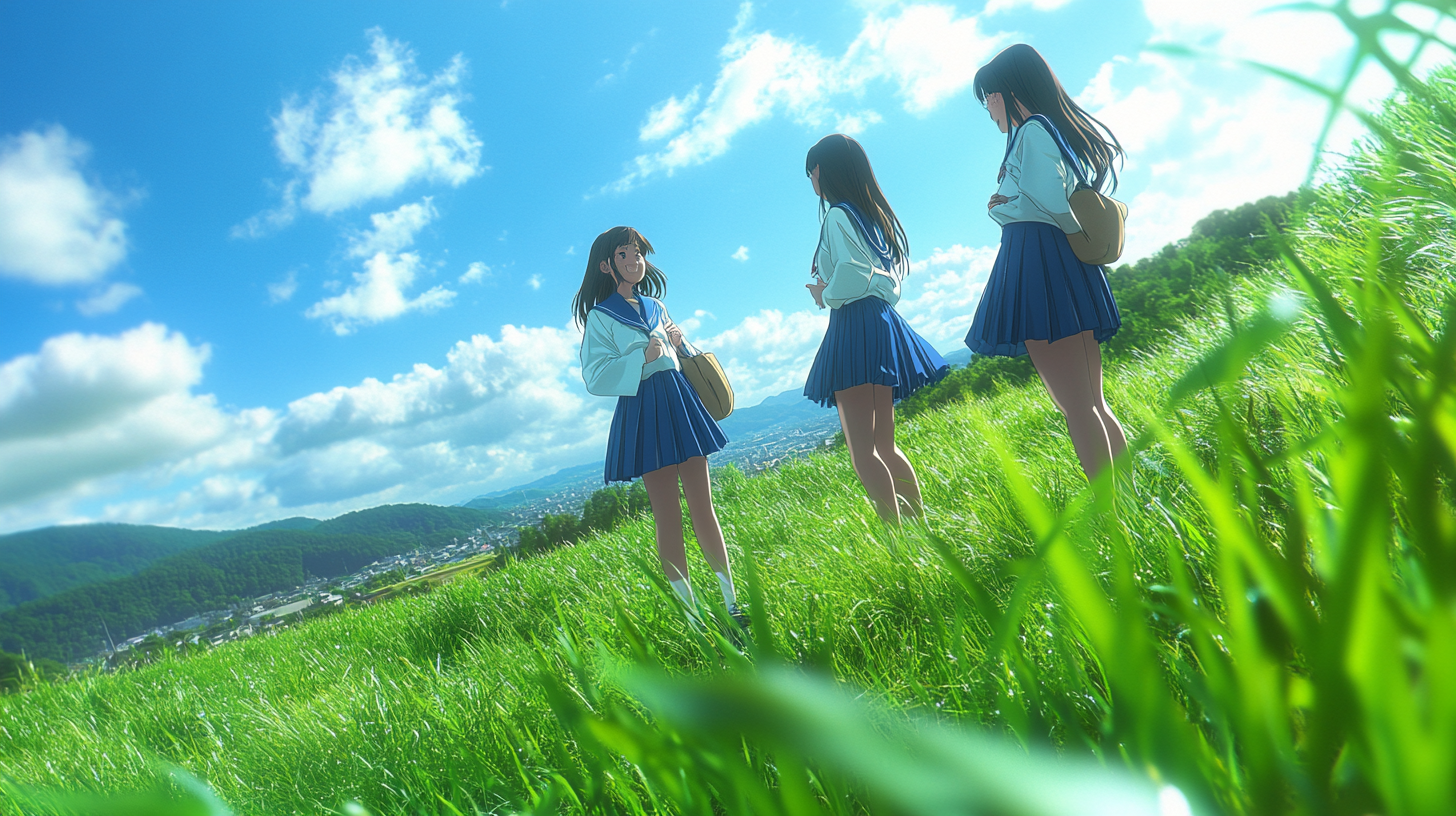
(1265, 624)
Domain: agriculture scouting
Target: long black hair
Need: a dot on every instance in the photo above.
(1020, 74)
(596, 287)
(845, 175)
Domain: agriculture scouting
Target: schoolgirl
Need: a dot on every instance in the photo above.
(1040, 299)
(870, 357)
(660, 430)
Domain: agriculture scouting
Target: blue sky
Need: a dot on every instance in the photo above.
(271, 259)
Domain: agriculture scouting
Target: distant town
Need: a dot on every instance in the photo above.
(750, 453)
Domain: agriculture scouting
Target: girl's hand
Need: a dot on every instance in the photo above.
(674, 335)
(998, 199)
(655, 349)
(817, 290)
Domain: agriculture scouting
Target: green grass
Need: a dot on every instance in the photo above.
(1266, 624)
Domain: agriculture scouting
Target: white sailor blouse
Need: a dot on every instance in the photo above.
(1038, 181)
(614, 345)
(848, 267)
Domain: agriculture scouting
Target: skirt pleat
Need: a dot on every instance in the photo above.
(868, 342)
(664, 424)
(1040, 290)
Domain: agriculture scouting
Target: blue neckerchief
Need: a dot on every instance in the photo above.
(1056, 137)
(617, 307)
(873, 236)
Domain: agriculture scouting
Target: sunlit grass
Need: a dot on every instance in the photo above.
(1265, 624)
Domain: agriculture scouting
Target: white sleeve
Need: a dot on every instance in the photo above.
(851, 268)
(1042, 177)
(607, 369)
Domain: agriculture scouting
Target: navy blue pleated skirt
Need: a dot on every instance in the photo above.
(664, 424)
(868, 342)
(1040, 290)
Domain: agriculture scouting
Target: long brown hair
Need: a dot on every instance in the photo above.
(596, 287)
(1020, 74)
(845, 175)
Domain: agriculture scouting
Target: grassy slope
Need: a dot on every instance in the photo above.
(439, 696)
(389, 704)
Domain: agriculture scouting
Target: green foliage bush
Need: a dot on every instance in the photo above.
(1187, 280)
(603, 511)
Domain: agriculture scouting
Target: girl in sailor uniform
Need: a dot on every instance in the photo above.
(1040, 299)
(870, 357)
(660, 430)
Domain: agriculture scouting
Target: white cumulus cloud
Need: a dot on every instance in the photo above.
(942, 291)
(393, 231)
(998, 6)
(378, 293)
(769, 352)
(1213, 136)
(741, 254)
(56, 228)
(383, 125)
(87, 406)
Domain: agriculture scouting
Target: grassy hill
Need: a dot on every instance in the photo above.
(1263, 624)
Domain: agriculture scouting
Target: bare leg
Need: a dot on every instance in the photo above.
(699, 492)
(903, 474)
(857, 418)
(662, 492)
(1065, 371)
(1117, 440)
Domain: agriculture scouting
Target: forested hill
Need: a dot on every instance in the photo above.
(232, 567)
(39, 563)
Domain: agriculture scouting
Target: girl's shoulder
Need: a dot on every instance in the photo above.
(1034, 132)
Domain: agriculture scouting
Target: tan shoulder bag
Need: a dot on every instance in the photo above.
(707, 378)
(1103, 219)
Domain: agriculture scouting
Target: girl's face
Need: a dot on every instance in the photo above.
(631, 264)
(996, 106)
(814, 179)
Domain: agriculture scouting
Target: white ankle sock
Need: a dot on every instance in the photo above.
(725, 583)
(684, 592)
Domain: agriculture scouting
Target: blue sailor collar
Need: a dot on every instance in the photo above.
(618, 308)
(874, 238)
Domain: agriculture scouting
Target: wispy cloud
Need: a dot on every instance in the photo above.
(56, 228)
(928, 51)
(475, 273)
(280, 291)
(109, 300)
(741, 254)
